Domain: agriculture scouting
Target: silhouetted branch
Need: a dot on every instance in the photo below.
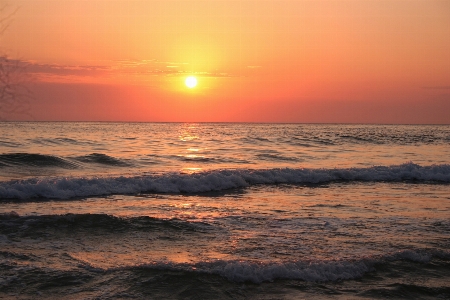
(5, 17)
(14, 95)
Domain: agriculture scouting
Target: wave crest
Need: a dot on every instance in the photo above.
(101, 158)
(312, 271)
(35, 160)
(65, 188)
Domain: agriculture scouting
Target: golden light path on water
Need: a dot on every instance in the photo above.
(116, 205)
(318, 210)
(152, 148)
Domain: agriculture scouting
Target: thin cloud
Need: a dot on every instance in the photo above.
(110, 71)
(64, 70)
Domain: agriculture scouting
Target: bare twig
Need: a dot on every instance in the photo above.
(14, 95)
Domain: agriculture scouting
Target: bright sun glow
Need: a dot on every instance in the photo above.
(191, 82)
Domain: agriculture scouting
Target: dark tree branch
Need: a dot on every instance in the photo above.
(14, 95)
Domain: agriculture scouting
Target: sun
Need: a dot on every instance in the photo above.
(191, 82)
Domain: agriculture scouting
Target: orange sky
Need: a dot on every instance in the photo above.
(371, 61)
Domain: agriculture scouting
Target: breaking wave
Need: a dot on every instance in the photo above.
(217, 180)
(312, 271)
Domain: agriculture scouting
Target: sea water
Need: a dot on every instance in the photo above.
(224, 211)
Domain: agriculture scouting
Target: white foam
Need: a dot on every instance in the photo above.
(421, 257)
(64, 188)
(312, 271)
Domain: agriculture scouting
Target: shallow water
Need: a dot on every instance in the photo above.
(99, 210)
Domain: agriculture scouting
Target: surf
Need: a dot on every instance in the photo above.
(216, 180)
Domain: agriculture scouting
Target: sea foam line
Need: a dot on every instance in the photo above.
(65, 188)
(313, 271)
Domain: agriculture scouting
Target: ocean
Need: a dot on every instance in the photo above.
(224, 211)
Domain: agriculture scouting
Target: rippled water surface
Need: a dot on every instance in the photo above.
(229, 211)
(124, 148)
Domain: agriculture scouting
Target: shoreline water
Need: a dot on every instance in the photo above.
(226, 211)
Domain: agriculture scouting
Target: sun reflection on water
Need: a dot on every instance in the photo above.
(191, 170)
(188, 137)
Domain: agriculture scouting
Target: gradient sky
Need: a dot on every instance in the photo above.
(352, 61)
